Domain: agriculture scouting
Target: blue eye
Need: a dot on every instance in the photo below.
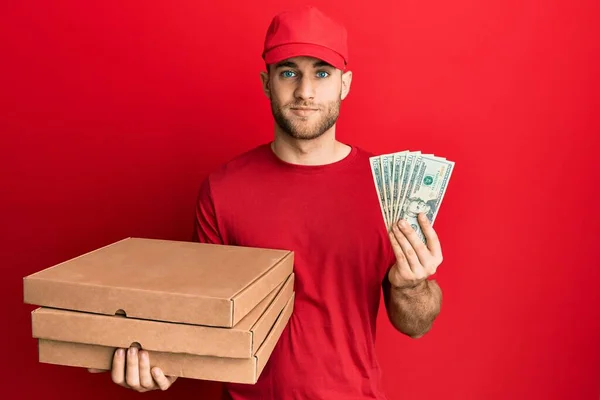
(322, 74)
(287, 74)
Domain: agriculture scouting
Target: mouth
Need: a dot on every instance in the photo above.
(303, 111)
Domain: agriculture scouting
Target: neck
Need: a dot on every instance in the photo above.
(320, 151)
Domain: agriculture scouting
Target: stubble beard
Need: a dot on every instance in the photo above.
(300, 128)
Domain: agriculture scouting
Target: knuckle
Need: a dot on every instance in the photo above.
(132, 383)
(410, 253)
(146, 384)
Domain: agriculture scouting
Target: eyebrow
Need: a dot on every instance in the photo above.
(290, 64)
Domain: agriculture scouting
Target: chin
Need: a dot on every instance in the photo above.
(302, 132)
(303, 128)
(304, 135)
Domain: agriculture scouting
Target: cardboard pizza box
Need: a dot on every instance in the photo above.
(235, 370)
(163, 280)
(240, 341)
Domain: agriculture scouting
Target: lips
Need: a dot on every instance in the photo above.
(303, 111)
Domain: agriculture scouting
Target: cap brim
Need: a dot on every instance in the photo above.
(291, 50)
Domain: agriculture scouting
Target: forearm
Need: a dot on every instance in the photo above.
(412, 311)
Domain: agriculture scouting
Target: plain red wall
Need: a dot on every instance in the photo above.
(113, 112)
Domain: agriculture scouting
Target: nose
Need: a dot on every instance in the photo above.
(305, 89)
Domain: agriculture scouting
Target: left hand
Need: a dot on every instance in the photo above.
(415, 261)
(131, 369)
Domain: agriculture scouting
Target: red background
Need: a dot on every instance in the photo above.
(113, 112)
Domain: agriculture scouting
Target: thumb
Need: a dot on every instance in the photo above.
(96, 371)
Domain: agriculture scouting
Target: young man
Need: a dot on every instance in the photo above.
(307, 192)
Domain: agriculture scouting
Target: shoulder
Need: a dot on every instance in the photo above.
(362, 155)
(241, 166)
(363, 152)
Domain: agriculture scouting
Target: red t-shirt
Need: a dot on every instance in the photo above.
(329, 215)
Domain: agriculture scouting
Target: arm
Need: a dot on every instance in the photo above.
(206, 227)
(413, 310)
(412, 300)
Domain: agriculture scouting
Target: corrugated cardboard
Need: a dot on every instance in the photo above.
(238, 370)
(162, 280)
(241, 341)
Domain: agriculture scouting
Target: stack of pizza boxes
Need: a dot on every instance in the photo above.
(202, 311)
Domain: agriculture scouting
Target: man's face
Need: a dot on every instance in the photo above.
(418, 206)
(305, 95)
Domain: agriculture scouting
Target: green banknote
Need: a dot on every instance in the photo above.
(397, 172)
(386, 171)
(408, 183)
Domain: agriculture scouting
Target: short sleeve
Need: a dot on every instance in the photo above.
(206, 229)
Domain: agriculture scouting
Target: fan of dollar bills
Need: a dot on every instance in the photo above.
(409, 183)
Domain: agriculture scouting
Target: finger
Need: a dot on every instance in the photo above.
(145, 377)
(405, 246)
(161, 380)
(409, 252)
(96, 371)
(132, 373)
(118, 367)
(401, 261)
(433, 242)
(400, 274)
(413, 244)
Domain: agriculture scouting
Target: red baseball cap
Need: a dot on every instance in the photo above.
(306, 31)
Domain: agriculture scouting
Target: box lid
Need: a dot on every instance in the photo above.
(241, 341)
(163, 280)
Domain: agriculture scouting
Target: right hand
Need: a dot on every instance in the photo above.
(137, 375)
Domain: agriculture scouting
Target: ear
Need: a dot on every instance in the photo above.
(264, 76)
(346, 82)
